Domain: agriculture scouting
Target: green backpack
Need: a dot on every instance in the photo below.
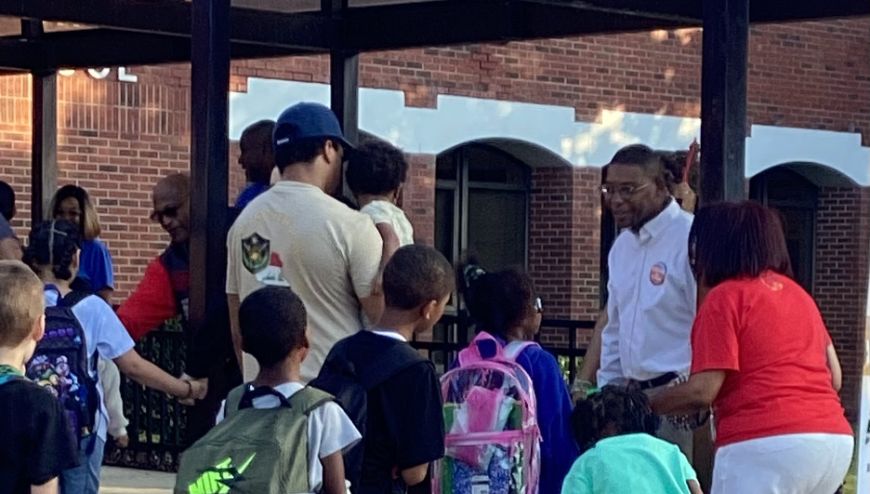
(253, 451)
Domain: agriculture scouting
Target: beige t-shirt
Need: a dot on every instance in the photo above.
(296, 235)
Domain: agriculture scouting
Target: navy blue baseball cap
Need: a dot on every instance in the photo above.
(304, 121)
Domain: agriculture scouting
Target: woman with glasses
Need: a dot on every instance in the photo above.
(73, 204)
(504, 304)
(761, 355)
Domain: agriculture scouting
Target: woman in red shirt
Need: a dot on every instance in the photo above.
(762, 357)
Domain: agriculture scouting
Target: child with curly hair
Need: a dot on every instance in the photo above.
(376, 174)
(614, 428)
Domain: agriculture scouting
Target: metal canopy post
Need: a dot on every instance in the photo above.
(723, 100)
(43, 157)
(343, 74)
(344, 91)
(44, 143)
(343, 81)
(210, 79)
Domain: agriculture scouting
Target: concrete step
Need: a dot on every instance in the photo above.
(116, 480)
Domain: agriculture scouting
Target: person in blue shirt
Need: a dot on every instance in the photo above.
(504, 305)
(257, 159)
(72, 203)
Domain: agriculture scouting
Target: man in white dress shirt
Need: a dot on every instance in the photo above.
(652, 292)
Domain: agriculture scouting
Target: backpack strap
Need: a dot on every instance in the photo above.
(513, 349)
(398, 357)
(308, 399)
(234, 399)
(251, 393)
(72, 298)
(484, 346)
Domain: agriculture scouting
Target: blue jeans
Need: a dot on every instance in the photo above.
(85, 478)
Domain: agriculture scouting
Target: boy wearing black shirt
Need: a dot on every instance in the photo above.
(404, 429)
(35, 441)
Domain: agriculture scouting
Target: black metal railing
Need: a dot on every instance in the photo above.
(561, 337)
(157, 422)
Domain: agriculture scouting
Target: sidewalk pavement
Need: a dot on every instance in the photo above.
(130, 481)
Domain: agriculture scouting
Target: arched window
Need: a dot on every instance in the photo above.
(796, 199)
(482, 206)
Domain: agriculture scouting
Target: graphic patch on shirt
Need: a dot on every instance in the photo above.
(658, 273)
(272, 274)
(255, 253)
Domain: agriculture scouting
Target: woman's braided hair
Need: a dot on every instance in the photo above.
(53, 243)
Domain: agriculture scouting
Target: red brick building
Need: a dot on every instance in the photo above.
(507, 142)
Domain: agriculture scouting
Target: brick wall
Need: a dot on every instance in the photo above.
(564, 236)
(550, 225)
(418, 197)
(841, 279)
(809, 74)
(585, 243)
(15, 140)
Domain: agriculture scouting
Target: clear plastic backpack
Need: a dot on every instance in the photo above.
(493, 439)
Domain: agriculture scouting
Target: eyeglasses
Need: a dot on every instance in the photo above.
(623, 191)
(539, 305)
(169, 212)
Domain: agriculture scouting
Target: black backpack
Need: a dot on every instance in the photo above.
(349, 373)
(62, 365)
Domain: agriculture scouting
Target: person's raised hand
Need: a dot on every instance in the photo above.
(198, 389)
(687, 197)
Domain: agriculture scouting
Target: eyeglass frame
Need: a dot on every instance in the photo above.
(624, 191)
(168, 212)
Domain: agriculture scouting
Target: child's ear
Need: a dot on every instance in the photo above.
(75, 260)
(38, 328)
(427, 310)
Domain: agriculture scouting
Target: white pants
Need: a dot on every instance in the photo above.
(787, 464)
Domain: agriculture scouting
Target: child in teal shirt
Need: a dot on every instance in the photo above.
(613, 427)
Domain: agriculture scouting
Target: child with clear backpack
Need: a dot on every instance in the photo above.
(506, 312)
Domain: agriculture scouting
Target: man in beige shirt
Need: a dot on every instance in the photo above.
(297, 235)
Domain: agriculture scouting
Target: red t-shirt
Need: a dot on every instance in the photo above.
(768, 335)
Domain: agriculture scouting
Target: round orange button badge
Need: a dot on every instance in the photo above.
(658, 273)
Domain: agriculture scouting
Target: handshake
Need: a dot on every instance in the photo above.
(195, 389)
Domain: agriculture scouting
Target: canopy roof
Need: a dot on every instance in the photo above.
(94, 33)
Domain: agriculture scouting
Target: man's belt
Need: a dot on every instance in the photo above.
(657, 381)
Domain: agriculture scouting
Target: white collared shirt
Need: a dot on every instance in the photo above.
(652, 301)
(390, 334)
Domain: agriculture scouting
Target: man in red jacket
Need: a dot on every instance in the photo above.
(163, 294)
